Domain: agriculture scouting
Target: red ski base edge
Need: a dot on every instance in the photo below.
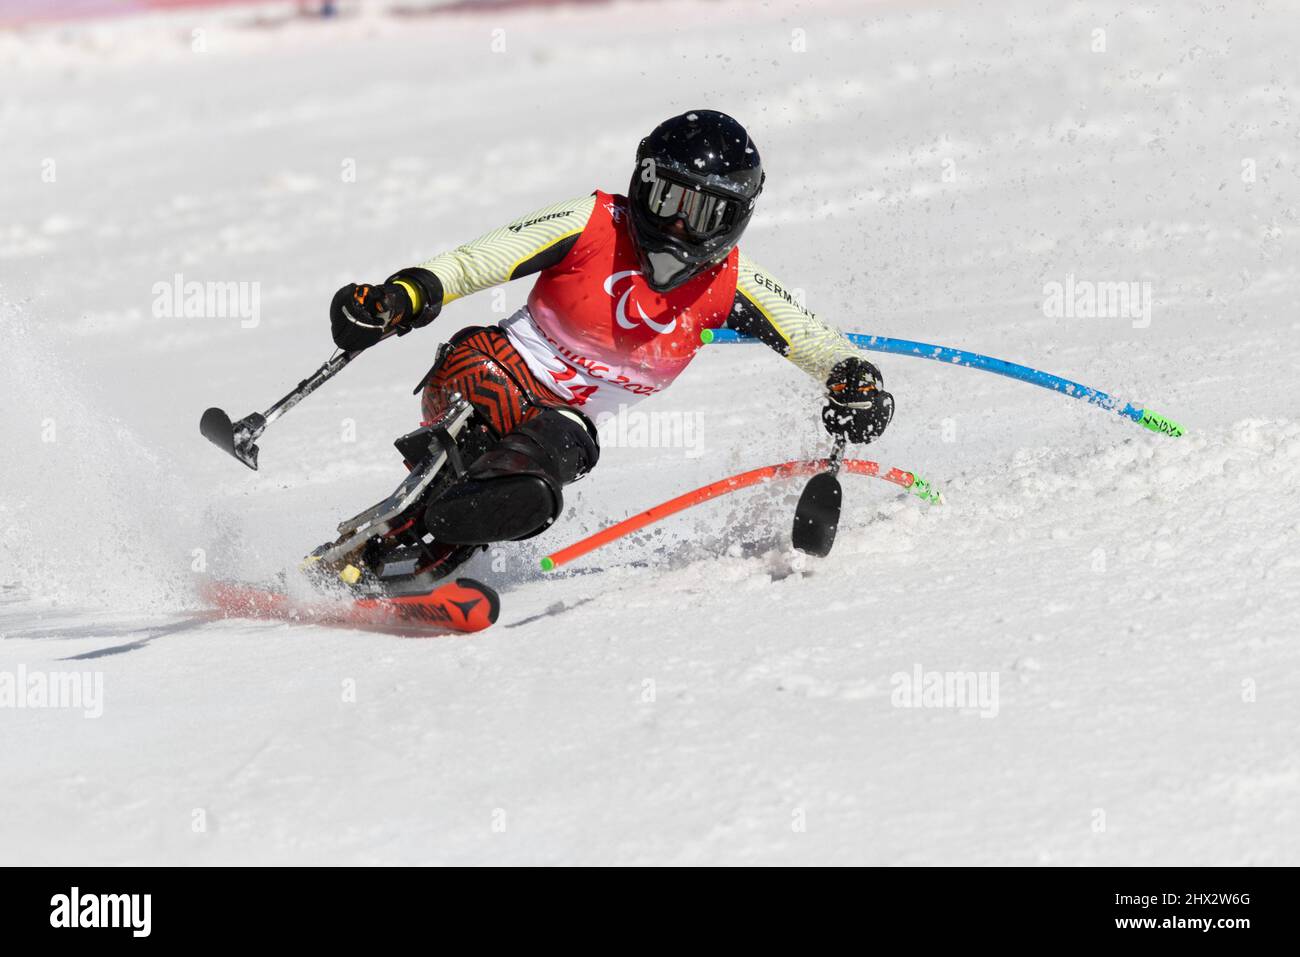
(463, 605)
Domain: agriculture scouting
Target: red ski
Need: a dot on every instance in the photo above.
(463, 605)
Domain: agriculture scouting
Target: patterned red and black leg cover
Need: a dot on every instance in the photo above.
(486, 369)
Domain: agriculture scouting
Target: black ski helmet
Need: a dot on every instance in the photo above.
(692, 193)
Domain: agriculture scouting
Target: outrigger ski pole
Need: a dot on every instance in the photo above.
(817, 516)
(240, 438)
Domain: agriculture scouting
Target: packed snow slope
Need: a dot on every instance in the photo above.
(699, 694)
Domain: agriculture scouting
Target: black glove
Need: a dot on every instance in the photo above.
(857, 405)
(361, 314)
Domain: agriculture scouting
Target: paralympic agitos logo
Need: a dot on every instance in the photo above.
(620, 309)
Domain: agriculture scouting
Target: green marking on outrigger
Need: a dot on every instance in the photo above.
(1159, 423)
(923, 490)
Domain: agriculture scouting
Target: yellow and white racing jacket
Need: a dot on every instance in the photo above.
(593, 328)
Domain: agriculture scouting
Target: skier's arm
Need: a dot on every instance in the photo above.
(522, 247)
(858, 407)
(410, 298)
(767, 310)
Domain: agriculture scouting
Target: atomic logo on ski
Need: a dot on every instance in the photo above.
(466, 607)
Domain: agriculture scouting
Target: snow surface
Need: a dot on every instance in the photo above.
(700, 694)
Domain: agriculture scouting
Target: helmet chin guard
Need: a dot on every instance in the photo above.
(663, 270)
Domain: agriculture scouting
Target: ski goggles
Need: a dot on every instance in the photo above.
(705, 214)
